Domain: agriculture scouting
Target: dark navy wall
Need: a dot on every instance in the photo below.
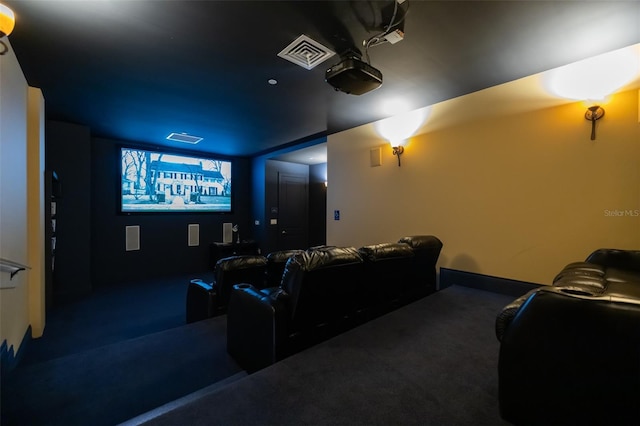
(259, 229)
(68, 153)
(317, 204)
(91, 231)
(272, 170)
(164, 246)
(265, 189)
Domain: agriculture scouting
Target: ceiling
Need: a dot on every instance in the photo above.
(138, 70)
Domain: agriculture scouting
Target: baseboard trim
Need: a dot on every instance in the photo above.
(509, 287)
(8, 359)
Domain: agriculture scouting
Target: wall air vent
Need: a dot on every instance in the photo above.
(184, 138)
(306, 52)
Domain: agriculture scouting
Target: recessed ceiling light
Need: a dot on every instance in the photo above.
(183, 137)
(272, 81)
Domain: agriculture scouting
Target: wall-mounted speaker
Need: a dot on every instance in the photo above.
(132, 237)
(227, 232)
(194, 234)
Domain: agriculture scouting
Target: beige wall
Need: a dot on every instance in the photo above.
(21, 232)
(14, 314)
(36, 210)
(515, 195)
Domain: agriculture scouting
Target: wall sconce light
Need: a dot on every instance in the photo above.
(594, 79)
(594, 113)
(397, 150)
(7, 22)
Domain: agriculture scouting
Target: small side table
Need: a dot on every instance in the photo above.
(221, 250)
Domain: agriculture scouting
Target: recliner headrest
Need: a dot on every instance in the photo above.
(331, 256)
(615, 258)
(386, 250)
(422, 241)
(282, 255)
(240, 262)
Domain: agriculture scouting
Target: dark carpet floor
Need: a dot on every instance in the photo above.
(433, 362)
(118, 355)
(112, 363)
(112, 314)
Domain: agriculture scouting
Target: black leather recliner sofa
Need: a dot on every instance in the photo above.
(570, 352)
(324, 291)
(317, 296)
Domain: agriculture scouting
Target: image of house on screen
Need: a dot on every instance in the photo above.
(185, 179)
(153, 181)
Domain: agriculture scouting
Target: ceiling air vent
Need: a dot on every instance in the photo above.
(184, 138)
(306, 52)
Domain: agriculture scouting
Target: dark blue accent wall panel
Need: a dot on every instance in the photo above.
(258, 200)
(68, 153)
(164, 246)
(317, 204)
(273, 169)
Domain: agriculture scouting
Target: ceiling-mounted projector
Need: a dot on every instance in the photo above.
(353, 76)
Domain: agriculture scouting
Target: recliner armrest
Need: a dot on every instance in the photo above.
(507, 314)
(256, 326)
(562, 352)
(201, 301)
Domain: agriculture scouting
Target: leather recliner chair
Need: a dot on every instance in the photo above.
(570, 352)
(389, 269)
(208, 300)
(427, 250)
(275, 265)
(317, 298)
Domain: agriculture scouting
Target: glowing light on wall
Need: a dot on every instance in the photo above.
(394, 106)
(595, 78)
(399, 128)
(7, 23)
